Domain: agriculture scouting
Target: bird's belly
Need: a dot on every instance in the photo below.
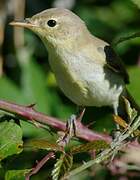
(103, 93)
(90, 88)
(73, 87)
(87, 83)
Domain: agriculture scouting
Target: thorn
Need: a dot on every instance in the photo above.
(90, 124)
(31, 106)
(84, 162)
(36, 161)
(80, 114)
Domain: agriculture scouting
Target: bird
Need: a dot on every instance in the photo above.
(86, 68)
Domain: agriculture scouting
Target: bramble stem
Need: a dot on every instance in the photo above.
(117, 144)
(29, 113)
(39, 165)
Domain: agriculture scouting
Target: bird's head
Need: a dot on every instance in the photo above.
(54, 25)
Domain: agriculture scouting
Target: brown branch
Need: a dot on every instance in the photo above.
(39, 165)
(29, 113)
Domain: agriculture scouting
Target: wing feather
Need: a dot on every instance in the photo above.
(115, 63)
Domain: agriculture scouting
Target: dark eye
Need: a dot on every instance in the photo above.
(51, 23)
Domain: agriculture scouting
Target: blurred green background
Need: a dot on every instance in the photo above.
(26, 77)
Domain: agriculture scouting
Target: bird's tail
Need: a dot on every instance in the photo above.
(122, 107)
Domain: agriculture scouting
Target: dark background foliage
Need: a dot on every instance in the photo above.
(27, 77)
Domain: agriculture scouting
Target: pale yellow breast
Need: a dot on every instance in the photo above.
(80, 74)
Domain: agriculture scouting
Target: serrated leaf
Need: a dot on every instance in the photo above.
(16, 174)
(10, 139)
(96, 145)
(137, 3)
(43, 144)
(62, 166)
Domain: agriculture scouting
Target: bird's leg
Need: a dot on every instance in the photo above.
(71, 127)
(116, 114)
(116, 133)
(69, 132)
(71, 123)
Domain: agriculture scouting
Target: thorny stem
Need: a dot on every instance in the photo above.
(115, 146)
(39, 165)
(29, 113)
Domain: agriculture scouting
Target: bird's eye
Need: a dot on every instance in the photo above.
(51, 23)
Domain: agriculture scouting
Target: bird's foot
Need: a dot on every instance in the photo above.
(71, 127)
(115, 133)
(69, 132)
(120, 126)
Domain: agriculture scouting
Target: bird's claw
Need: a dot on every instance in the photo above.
(69, 132)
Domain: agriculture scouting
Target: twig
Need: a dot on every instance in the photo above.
(118, 166)
(39, 165)
(115, 146)
(29, 113)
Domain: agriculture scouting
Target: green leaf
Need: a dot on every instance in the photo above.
(137, 3)
(62, 166)
(96, 145)
(16, 174)
(43, 144)
(10, 139)
(132, 113)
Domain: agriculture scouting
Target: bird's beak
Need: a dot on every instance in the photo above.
(26, 23)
